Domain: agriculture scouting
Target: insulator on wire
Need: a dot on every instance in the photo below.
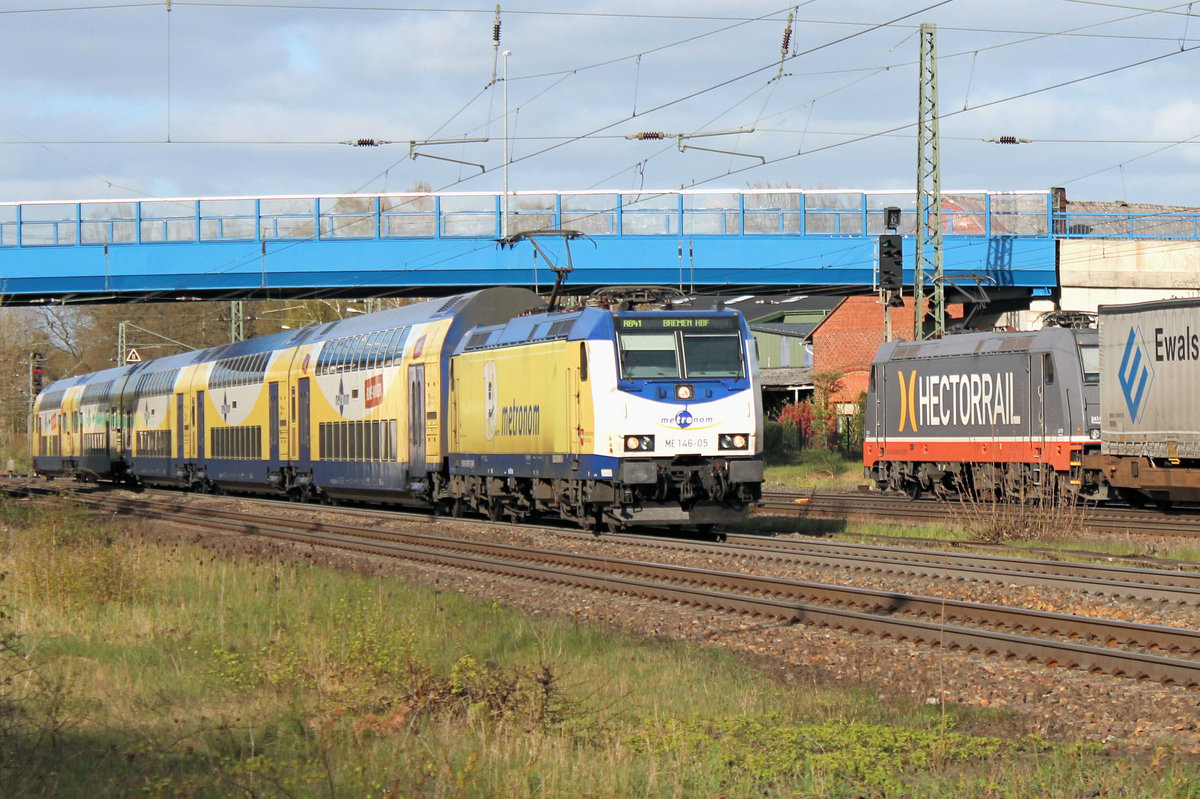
(787, 37)
(647, 135)
(496, 27)
(365, 142)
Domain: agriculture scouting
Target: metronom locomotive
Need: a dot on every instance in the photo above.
(1103, 415)
(482, 401)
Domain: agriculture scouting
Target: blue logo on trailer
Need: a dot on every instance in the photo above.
(1134, 375)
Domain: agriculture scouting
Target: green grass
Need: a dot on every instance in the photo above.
(815, 469)
(198, 674)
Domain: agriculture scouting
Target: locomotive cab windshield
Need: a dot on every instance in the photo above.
(1089, 355)
(672, 348)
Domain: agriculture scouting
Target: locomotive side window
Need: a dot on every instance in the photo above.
(712, 354)
(1048, 369)
(648, 355)
(583, 365)
(1089, 354)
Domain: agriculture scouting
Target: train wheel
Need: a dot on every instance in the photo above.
(913, 490)
(493, 509)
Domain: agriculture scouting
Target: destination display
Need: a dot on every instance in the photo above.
(725, 322)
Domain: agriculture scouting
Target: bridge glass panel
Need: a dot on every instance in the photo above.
(408, 216)
(876, 218)
(964, 214)
(49, 224)
(711, 214)
(227, 220)
(8, 225)
(594, 214)
(287, 218)
(1018, 214)
(469, 215)
(650, 214)
(834, 213)
(168, 220)
(347, 217)
(774, 212)
(528, 212)
(108, 223)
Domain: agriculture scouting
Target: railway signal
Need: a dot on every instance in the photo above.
(37, 371)
(891, 264)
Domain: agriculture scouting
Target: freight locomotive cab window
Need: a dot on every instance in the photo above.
(1089, 354)
(1048, 369)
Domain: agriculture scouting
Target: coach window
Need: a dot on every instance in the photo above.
(1048, 369)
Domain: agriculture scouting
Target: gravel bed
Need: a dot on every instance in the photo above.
(1056, 703)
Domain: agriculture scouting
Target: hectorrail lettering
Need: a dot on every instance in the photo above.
(963, 400)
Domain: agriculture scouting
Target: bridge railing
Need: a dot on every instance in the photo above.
(751, 212)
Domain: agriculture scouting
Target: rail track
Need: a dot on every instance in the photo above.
(862, 505)
(1115, 647)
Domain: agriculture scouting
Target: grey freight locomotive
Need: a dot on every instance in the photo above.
(996, 414)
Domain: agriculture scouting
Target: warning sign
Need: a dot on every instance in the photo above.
(133, 357)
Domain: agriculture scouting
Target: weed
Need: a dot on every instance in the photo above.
(1040, 517)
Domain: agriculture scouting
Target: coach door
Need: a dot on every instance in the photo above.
(303, 440)
(576, 377)
(273, 424)
(180, 424)
(416, 420)
(200, 425)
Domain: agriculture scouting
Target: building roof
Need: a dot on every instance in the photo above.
(786, 377)
(788, 329)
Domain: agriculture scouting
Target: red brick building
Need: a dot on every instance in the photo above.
(846, 340)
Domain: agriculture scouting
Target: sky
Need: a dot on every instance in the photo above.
(182, 99)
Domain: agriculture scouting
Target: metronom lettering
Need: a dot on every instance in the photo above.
(520, 420)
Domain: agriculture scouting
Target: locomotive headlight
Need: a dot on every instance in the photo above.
(733, 441)
(683, 391)
(639, 443)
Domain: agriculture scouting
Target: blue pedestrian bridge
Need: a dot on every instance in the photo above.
(425, 244)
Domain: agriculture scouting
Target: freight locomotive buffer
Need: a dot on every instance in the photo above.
(992, 411)
(475, 401)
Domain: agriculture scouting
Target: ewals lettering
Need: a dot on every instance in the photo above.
(1183, 346)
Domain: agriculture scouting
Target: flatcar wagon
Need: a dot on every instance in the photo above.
(994, 414)
(478, 401)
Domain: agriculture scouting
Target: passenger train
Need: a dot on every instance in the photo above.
(483, 401)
